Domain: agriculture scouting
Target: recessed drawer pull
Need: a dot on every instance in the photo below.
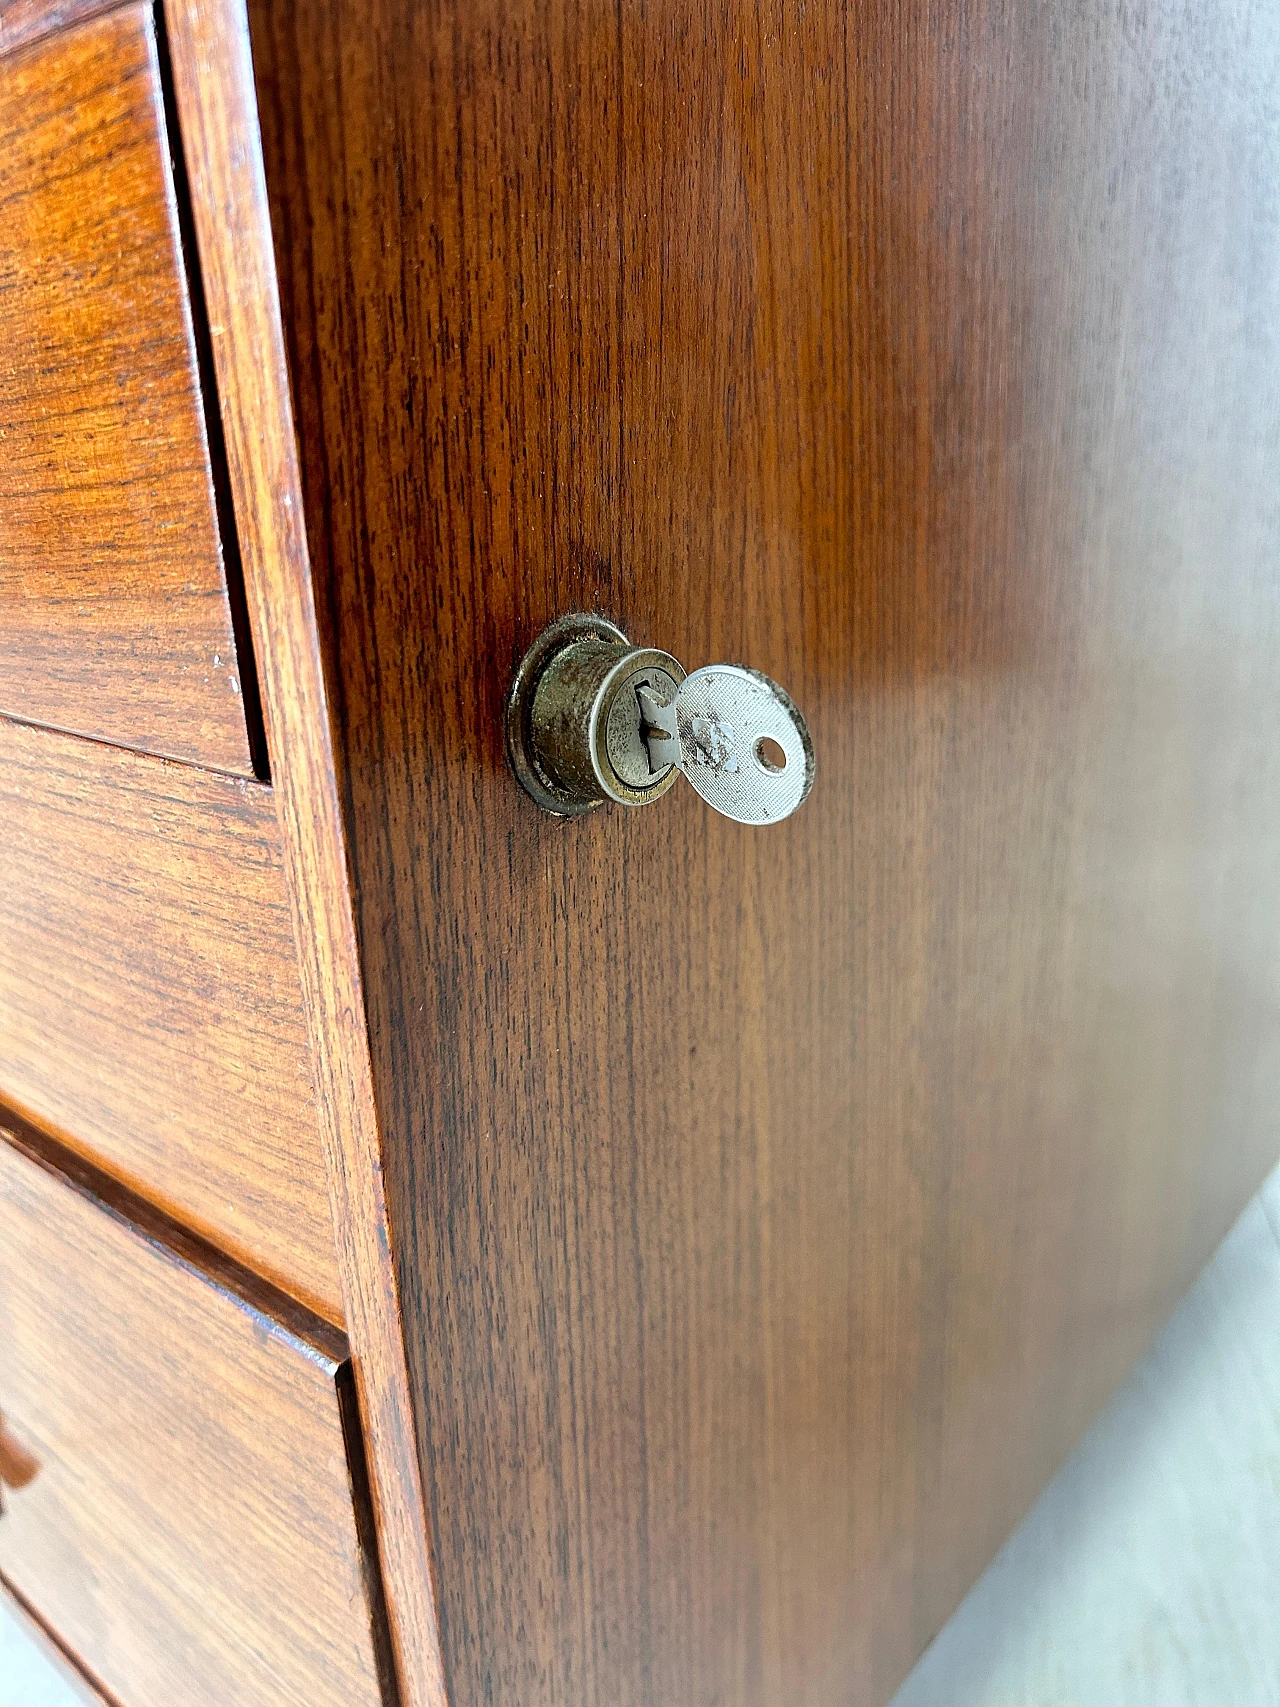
(18, 1469)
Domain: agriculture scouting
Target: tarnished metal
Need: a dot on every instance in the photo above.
(573, 719)
(592, 718)
(586, 722)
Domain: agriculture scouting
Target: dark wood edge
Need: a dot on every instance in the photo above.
(56, 732)
(42, 18)
(274, 1311)
(217, 108)
(67, 1663)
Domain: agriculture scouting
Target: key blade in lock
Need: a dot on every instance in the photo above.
(658, 728)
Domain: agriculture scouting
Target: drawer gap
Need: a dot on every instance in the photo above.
(232, 565)
(277, 1310)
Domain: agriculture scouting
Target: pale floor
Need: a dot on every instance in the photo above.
(1148, 1575)
(27, 1678)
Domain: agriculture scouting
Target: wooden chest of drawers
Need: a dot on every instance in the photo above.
(454, 1254)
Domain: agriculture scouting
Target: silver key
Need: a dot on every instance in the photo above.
(738, 738)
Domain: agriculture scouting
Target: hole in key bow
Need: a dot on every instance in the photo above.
(770, 755)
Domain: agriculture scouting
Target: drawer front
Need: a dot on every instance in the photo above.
(150, 1005)
(113, 590)
(186, 1521)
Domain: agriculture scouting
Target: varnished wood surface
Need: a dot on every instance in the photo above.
(191, 1533)
(772, 1209)
(24, 21)
(214, 88)
(113, 592)
(150, 1007)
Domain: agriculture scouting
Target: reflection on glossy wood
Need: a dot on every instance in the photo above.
(150, 1007)
(192, 1534)
(24, 21)
(772, 1210)
(113, 600)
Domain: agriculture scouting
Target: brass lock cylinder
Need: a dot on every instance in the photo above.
(574, 730)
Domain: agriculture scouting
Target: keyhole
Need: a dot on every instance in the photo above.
(770, 756)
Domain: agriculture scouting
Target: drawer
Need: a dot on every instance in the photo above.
(150, 1003)
(191, 1524)
(118, 604)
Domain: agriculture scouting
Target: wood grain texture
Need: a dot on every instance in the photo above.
(191, 1533)
(25, 21)
(150, 1005)
(214, 87)
(925, 358)
(113, 590)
